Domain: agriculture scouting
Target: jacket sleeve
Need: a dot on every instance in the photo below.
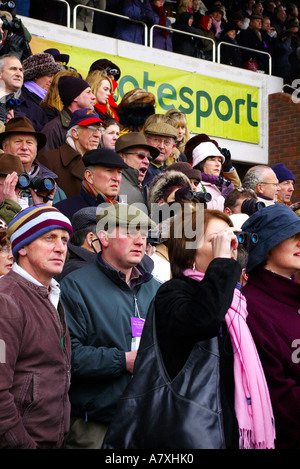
(12, 431)
(88, 360)
(197, 309)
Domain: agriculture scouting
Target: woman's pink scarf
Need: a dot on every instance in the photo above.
(252, 400)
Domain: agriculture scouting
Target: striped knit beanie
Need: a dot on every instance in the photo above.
(32, 222)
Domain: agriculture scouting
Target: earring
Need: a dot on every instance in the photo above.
(194, 266)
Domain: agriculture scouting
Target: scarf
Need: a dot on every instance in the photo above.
(251, 400)
(162, 18)
(36, 89)
(90, 189)
(224, 188)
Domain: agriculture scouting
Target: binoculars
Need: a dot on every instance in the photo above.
(36, 183)
(246, 238)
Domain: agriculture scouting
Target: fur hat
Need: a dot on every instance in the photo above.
(39, 65)
(134, 109)
(200, 147)
(163, 184)
(32, 222)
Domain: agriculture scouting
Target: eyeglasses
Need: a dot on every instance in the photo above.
(94, 128)
(161, 141)
(142, 156)
(273, 183)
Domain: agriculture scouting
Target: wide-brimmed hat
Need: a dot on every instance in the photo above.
(10, 163)
(135, 139)
(22, 125)
(103, 157)
(272, 224)
(39, 65)
(58, 56)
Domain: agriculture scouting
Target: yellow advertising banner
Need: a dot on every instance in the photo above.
(217, 107)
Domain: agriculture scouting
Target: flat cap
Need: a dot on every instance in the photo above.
(84, 217)
(103, 157)
(166, 130)
(111, 215)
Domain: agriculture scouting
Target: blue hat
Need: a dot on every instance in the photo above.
(282, 173)
(272, 225)
(85, 117)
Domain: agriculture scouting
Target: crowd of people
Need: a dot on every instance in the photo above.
(269, 28)
(155, 289)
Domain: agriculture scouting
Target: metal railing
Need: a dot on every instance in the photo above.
(246, 48)
(111, 14)
(216, 50)
(173, 30)
(68, 12)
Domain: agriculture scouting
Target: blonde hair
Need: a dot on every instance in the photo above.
(94, 79)
(178, 118)
(52, 99)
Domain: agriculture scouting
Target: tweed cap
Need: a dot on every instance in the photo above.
(32, 222)
(84, 217)
(111, 215)
(135, 139)
(161, 128)
(103, 157)
(39, 65)
(10, 163)
(272, 224)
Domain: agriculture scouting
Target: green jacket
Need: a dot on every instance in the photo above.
(8, 209)
(99, 305)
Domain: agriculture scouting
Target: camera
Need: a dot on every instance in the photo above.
(36, 183)
(246, 238)
(14, 26)
(10, 6)
(250, 206)
(7, 103)
(154, 237)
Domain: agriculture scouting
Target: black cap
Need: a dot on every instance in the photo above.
(103, 157)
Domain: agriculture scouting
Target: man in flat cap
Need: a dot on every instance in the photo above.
(106, 303)
(101, 181)
(137, 153)
(75, 93)
(35, 349)
(84, 134)
(162, 136)
(84, 244)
